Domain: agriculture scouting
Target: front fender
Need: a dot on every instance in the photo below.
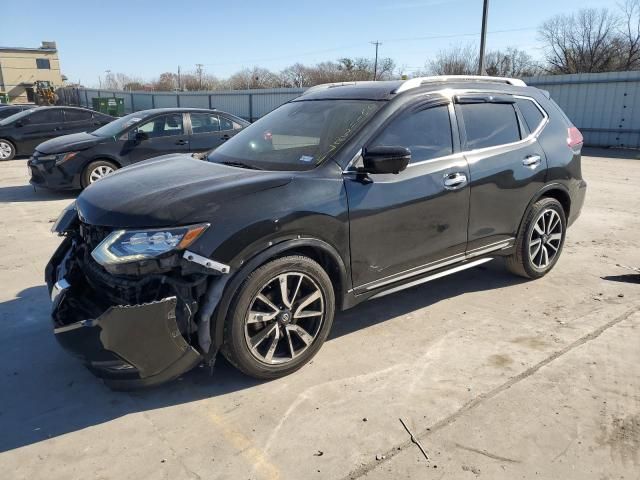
(222, 290)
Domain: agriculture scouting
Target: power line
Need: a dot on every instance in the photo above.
(344, 47)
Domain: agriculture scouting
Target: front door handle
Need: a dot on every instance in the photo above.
(225, 137)
(532, 161)
(454, 181)
(182, 142)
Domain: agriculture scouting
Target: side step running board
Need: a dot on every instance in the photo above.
(433, 277)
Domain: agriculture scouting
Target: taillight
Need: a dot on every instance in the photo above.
(574, 137)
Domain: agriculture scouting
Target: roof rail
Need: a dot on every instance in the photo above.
(324, 86)
(416, 82)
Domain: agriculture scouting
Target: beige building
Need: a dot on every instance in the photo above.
(21, 68)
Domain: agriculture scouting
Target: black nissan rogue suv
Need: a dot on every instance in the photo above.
(349, 192)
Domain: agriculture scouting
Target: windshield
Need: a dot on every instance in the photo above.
(116, 127)
(15, 116)
(296, 136)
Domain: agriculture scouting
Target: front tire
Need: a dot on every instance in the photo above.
(7, 150)
(540, 241)
(97, 171)
(279, 318)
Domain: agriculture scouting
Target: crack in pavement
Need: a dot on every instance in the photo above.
(472, 404)
(487, 454)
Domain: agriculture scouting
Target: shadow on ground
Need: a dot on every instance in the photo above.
(620, 153)
(627, 278)
(27, 193)
(46, 393)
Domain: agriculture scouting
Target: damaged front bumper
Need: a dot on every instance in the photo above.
(131, 332)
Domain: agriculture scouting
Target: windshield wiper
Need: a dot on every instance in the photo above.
(241, 165)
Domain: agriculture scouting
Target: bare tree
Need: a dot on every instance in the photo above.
(458, 60)
(255, 77)
(586, 41)
(296, 75)
(511, 62)
(167, 82)
(629, 33)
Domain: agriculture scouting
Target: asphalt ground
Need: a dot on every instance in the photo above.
(496, 377)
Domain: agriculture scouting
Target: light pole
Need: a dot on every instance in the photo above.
(483, 36)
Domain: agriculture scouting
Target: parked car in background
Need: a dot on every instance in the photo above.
(76, 161)
(8, 110)
(21, 132)
(349, 192)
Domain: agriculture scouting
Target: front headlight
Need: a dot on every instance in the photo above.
(124, 246)
(63, 157)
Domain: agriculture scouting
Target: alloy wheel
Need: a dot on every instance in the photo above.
(99, 173)
(284, 318)
(545, 239)
(5, 150)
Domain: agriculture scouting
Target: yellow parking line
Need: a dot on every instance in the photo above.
(261, 465)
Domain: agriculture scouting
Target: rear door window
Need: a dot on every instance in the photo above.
(204, 123)
(489, 124)
(77, 116)
(225, 123)
(532, 115)
(426, 133)
(53, 115)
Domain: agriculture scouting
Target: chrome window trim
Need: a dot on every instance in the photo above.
(528, 139)
(450, 93)
(545, 115)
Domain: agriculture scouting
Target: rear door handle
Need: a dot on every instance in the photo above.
(225, 137)
(182, 142)
(454, 181)
(532, 161)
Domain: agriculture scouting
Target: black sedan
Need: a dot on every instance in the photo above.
(21, 132)
(76, 161)
(8, 110)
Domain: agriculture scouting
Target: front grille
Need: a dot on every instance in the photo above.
(92, 235)
(36, 176)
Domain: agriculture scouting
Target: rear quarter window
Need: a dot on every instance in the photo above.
(532, 115)
(489, 124)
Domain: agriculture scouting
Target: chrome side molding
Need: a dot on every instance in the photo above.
(444, 273)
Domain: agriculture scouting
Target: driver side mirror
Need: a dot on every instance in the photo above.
(21, 123)
(386, 159)
(138, 136)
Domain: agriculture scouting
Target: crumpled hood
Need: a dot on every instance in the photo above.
(70, 143)
(169, 190)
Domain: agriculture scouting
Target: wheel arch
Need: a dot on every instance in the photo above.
(318, 250)
(105, 158)
(554, 190)
(12, 142)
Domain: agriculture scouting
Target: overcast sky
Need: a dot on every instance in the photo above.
(144, 38)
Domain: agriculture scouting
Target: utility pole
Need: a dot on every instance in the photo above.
(483, 36)
(375, 63)
(199, 71)
(179, 81)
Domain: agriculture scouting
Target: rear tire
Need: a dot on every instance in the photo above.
(540, 241)
(96, 171)
(270, 334)
(7, 150)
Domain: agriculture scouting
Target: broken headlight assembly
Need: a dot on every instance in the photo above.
(124, 246)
